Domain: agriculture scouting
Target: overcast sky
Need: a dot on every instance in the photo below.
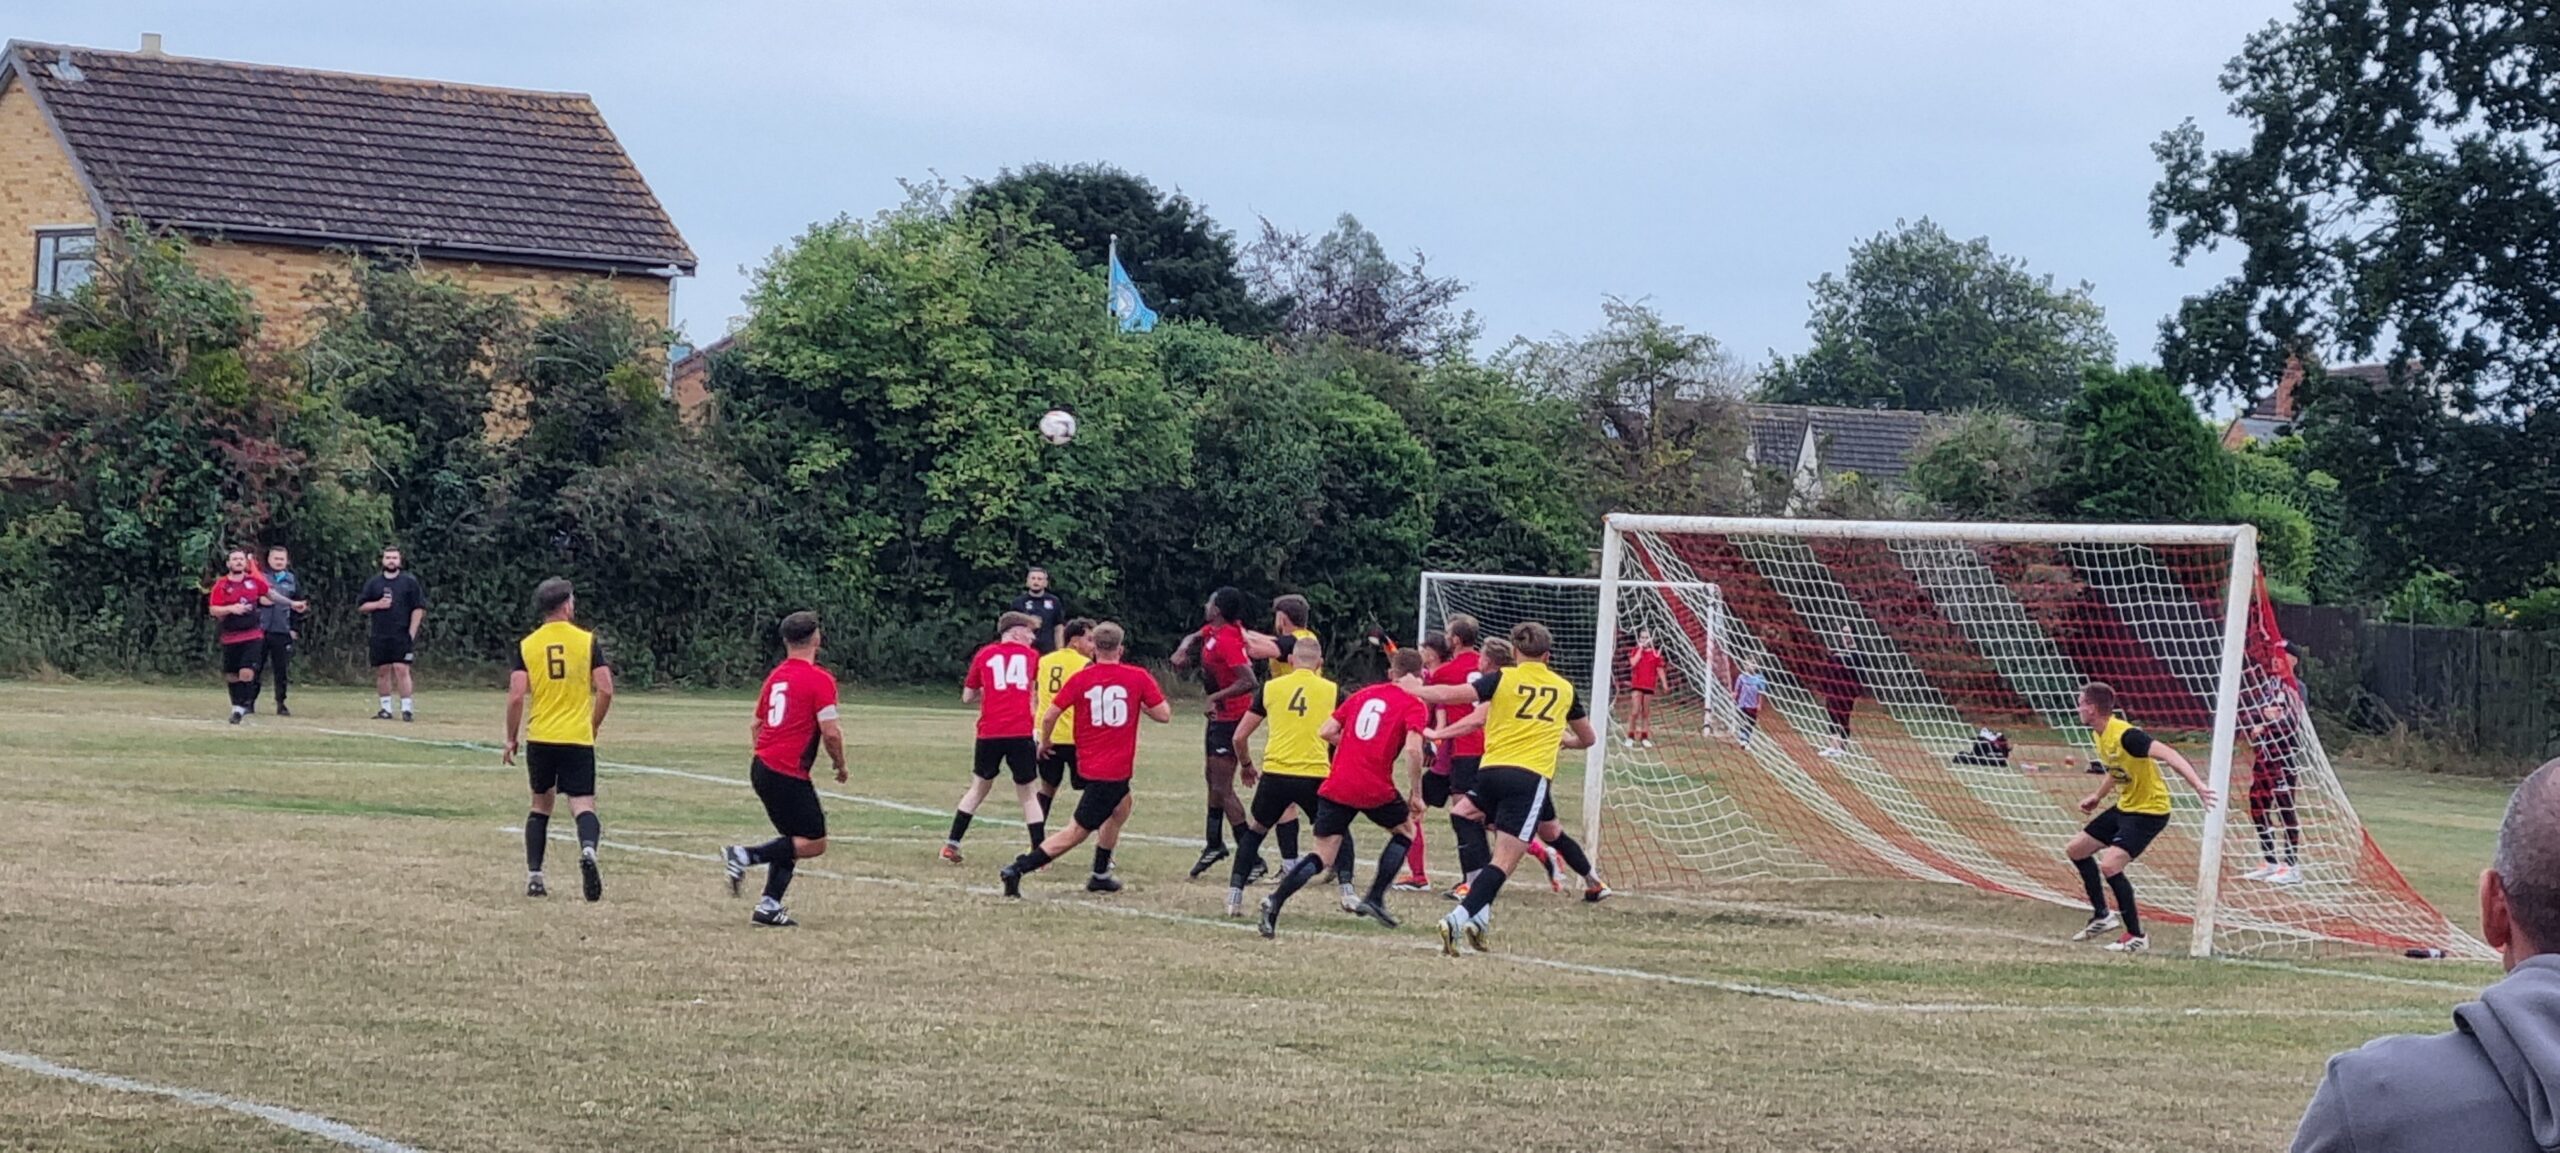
(1712, 156)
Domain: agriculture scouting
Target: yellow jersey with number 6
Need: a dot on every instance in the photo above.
(1528, 708)
(1055, 668)
(559, 661)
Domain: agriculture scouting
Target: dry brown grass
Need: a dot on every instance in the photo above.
(333, 924)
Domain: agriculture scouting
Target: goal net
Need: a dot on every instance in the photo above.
(1916, 720)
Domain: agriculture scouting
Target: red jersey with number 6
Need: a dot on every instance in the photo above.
(797, 696)
(1375, 722)
(1001, 672)
(1107, 699)
(1460, 670)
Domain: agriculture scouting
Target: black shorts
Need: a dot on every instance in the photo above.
(790, 802)
(1462, 774)
(571, 769)
(248, 654)
(1099, 801)
(2131, 832)
(1021, 753)
(1221, 740)
(1333, 818)
(399, 650)
(1058, 766)
(1435, 790)
(1514, 800)
(1278, 791)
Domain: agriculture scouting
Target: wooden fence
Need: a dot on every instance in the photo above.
(2488, 688)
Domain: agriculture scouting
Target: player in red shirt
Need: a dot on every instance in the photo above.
(1379, 728)
(1466, 751)
(1108, 697)
(795, 713)
(234, 602)
(1227, 669)
(1644, 678)
(999, 683)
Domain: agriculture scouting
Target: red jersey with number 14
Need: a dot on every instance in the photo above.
(1107, 699)
(1001, 672)
(797, 696)
(1460, 670)
(1375, 722)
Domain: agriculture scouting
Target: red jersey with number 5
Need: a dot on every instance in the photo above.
(1375, 722)
(797, 696)
(1107, 699)
(1001, 672)
(1460, 670)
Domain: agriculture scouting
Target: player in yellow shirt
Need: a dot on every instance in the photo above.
(2101, 851)
(1530, 715)
(562, 670)
(1074, 652)
(1288, 630)
(1296, 759)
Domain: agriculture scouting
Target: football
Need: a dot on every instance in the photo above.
(1058, 427)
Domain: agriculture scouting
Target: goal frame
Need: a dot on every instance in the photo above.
(2242, 540)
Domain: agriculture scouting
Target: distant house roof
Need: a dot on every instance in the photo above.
(289, 155)
(1874, 443)
(2272, 416)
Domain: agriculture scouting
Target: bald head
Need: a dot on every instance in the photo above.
(1306, 655)
(2528, 863)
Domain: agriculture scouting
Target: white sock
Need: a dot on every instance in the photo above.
(767, 904)
(407, 705)
(587, 852)
(386, 704)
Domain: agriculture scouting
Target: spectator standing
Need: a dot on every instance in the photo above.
(1043, 605)
(394, 604)
(278, 617)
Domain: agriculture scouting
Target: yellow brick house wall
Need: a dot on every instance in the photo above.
(37, 188)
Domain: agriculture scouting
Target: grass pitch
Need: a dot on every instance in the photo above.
(324, 913)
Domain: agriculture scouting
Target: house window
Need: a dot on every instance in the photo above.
(65, 260)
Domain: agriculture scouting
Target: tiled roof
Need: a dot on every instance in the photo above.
(328, 158)
(1874, 443)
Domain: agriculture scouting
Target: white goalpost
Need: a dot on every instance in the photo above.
(1916, 687)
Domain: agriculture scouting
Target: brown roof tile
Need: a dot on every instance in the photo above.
(330, 158)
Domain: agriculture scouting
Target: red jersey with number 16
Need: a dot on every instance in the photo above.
(797, 696)
(1375, 722)
(1460, 670)
(1107, 699)
(1001, 672)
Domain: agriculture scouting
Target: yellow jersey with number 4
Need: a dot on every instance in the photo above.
(559, 661)
(1055, 668)
(1527, 709)
(1294, 708)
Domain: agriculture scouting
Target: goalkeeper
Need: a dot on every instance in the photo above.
(2102, 850)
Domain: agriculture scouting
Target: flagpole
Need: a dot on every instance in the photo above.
(1110, 268)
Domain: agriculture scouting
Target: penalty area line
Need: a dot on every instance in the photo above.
(335, 1132)
(1741, 988)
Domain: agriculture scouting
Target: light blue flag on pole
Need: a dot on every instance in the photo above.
(1126, 305)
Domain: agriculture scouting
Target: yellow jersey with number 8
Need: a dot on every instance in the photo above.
(1055, 668)
(1527, 710)
(558, 661)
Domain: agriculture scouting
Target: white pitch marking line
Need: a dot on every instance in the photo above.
(1774, 992)
(337, 1132)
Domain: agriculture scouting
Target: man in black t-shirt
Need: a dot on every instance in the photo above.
(394, 604)
(1044, 606)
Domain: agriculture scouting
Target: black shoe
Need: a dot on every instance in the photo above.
(1377, 911)
(594, 880)
(733, 860)
(777, 916)
(282, 711)
(533, 886)
(382, 714)
(1102, 883)
(1208, 856)
(236, 714)
(1012, 878)
(1256, 872)
(407, 716)
(1270, 925)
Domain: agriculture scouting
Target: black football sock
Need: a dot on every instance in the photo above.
(2123, 887)
(1033, 861)
(1046, 800)
(233, 688)
(2096, 885)
(1346, 860)
(1288, 831)
(777, 878)
(1039, 831)
(590, 831)
(1216, 836)
(249, 693)
(1473, 851)
(537, 833)
(1248, 846)
(2292, 836)
(1482, 890)
(959, 826)
(1239, 828)
(1574, 858)
(1296, 878)
(777, 849)
(1390, 863)
(1101, 861)
(2266, 839)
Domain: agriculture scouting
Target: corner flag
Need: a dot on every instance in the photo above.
(1126, 305)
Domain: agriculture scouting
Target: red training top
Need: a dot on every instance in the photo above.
(1375, 722)
(1107, 698)
(1644, 671)
(1001, 672)
(1222, 659)
(1460, 670)
(242, 591)
(797, 696)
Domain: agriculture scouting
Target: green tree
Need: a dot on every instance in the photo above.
(1184, 263)
(1663, 428)
(1986, 465)
(1343, 286)
(2397, 192)
(1921, 320)
(2134, 450)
